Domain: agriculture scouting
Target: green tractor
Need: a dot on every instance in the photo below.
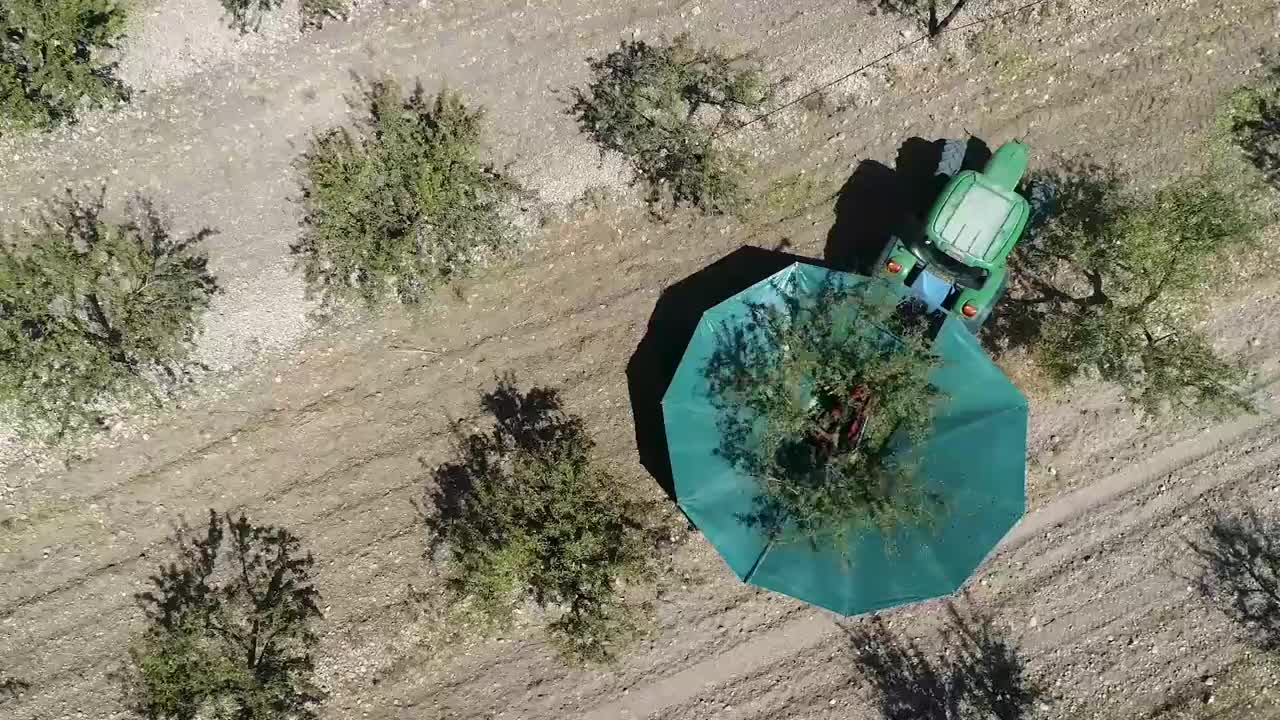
(956, 262)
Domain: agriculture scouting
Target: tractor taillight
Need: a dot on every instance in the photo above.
(893, 266)
(968, 310)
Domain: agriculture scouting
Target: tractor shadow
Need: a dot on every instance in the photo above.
(675, 318)
(976, 670)
(877, 200)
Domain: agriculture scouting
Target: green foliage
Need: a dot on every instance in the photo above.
(788, 197)
(1250, 120)
(1115, 279)
(661, 106)
(787, 382)
(230, 631)
(93, 311)
(247, 15)
(315, 12)
(50, 64)
(527, 515)
(403, 203)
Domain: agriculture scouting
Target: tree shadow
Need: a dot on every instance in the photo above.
(933, 16)
(675, 318)
(1240, 573)
(230, 623)
(1080, 198)
(531, 421)
(978, 672)
(1254, 126)
(877, 201)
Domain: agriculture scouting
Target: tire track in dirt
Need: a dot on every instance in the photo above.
(344, 466)
(1184, 458)
(804, 682)
(763, 650)
(569, 284)
(104, 651)
(407, 418)
(333, 473)
(708, 691)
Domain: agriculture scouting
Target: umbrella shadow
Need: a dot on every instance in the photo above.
(978, 673)
(878, 201)
(675, 318)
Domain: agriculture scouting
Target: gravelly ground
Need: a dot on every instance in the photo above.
(328, 434)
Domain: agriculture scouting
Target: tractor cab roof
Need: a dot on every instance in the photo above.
(976, 221)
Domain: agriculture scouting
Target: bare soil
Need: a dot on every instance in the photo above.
(334, 433)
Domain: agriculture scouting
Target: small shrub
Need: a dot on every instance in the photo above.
(403, 203)
(815, 400)
(528, 516)
(1251, 122)
(93, 311)
(661, 106)
(1114, 280)
(50, 60)
(230, 629)
(247, 15)
(315, 12)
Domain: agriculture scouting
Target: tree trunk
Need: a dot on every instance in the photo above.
(936, 26)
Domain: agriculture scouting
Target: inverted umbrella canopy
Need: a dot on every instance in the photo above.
(974, 461)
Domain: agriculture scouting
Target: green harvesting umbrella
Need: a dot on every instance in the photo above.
(974, 462)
